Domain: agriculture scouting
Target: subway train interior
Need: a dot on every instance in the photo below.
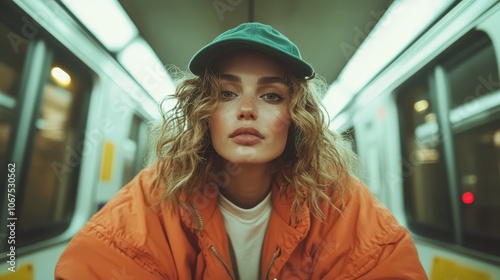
(419, 101)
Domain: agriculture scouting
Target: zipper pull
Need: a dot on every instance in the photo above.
(223, 262)
(276, 254)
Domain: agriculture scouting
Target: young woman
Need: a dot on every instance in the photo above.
(249, 183)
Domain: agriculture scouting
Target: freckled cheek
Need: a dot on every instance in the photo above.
(216, 123)
(218, 116)
(281, 123)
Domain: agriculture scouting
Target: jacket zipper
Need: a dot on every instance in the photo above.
(223, 262)
(272, 261)
(201, 224)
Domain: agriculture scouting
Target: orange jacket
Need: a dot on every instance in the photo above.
(128, 239)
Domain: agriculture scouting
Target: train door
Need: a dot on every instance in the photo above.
(44, 101)
(450, 118)
(390, 156)
(117, 149)
(124, 145)
(135, 147)
(369, 134)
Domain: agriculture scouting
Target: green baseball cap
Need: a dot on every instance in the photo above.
(254, 36)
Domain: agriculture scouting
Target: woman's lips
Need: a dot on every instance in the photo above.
(246, 139)
(246, 136)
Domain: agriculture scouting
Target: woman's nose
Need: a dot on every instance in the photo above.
(247, 109)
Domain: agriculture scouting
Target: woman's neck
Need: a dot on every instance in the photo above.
(248, 185)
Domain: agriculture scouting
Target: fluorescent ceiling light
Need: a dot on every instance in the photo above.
(142, 63)
(402, 23)
(106, 19)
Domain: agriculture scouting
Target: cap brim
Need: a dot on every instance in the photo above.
(214, 51)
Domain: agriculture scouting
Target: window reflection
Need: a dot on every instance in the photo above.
(11, 63)
(478, 163)
(474, 76)
(56, 156)
(425, 183)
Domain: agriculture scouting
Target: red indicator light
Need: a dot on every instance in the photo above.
(467, 197)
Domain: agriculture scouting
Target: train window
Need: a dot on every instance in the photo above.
(477, 153)
(467, 82)
(57, 146)
(473, 79)
(11, 64)
(473, 72)
(424, 175)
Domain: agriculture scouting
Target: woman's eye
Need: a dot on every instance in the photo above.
(227, 94)
(272, 97)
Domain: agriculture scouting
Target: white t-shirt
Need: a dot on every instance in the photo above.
(246, 229)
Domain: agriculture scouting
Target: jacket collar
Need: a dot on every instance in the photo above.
(199, 209)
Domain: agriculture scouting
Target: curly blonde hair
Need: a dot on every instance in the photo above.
(314, 162)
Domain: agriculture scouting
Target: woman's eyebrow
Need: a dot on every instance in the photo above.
(271, 80)
(230, 78)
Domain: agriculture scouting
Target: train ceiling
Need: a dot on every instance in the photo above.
(327, 32)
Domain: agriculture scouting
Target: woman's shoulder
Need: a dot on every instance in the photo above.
(129, 228)
(131, 214)
(357, 216)
(135, 196)
(365, 232)
(355, 200)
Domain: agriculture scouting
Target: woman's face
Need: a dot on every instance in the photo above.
(250, 125)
